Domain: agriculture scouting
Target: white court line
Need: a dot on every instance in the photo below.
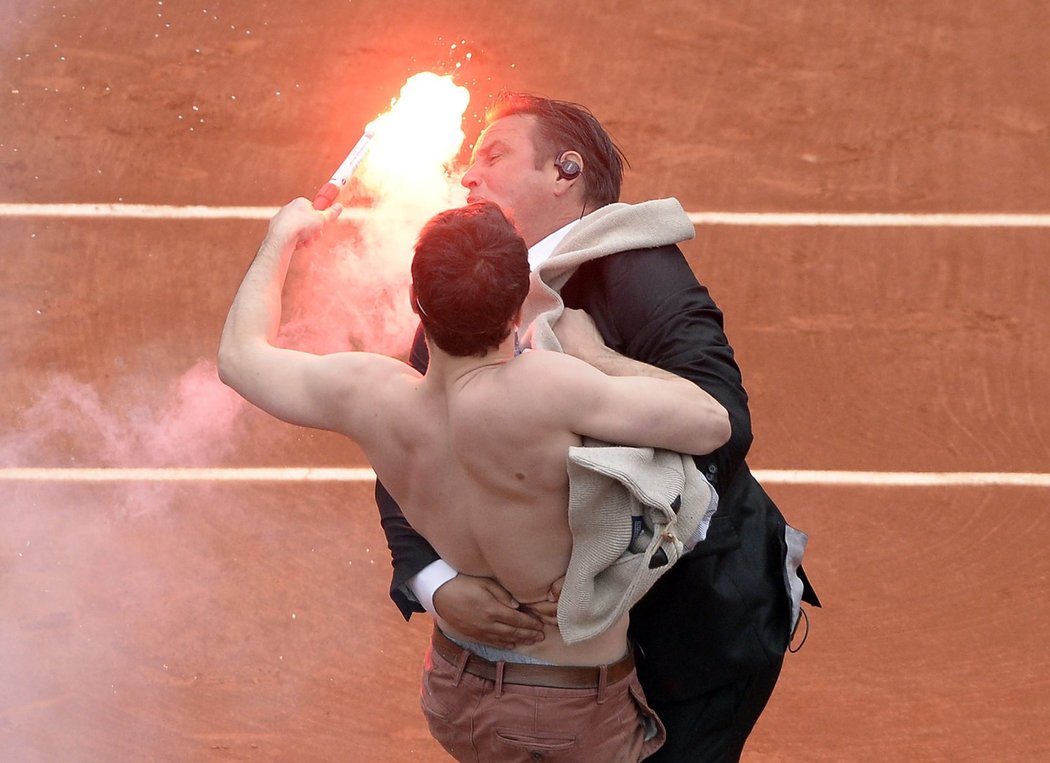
(325, 474)
(150, 211)
(870, 219)
(797, 219)
(900, 479)
(187, 474)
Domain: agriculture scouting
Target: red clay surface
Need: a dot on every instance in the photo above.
(205, 621)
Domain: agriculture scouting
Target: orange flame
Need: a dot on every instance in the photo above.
(418, 137)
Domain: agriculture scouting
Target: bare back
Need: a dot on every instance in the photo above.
(479, 468)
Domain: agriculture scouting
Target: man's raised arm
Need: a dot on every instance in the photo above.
(298, 387)
(269, 377)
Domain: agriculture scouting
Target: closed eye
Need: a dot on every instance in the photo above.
(489, 154)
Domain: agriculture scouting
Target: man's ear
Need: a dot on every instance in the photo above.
(569, 166)
(412, 299)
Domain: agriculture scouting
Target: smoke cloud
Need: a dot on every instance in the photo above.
(71, 424)
(348, 292)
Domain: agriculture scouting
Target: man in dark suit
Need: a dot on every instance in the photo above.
(711, 635)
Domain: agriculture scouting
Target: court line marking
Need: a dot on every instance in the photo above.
(188, 474)
(871, 219)
(336, 474)
(788, 219)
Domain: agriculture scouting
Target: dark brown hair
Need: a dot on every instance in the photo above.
(470, 274)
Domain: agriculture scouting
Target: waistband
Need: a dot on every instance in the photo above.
(526, 674)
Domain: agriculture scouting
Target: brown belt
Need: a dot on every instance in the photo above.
(525, 674)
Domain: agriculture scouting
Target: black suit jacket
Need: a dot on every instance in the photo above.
(723, 611)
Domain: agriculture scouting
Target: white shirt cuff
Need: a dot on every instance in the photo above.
(424, 584)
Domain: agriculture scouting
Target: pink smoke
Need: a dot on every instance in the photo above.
(70, 424)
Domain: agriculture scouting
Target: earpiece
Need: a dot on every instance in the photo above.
(567, 168)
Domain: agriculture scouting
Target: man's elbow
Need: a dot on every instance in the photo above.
(712, 432)
(228, 365)
(721, 429)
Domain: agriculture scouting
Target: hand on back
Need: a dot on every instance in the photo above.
(482, 610)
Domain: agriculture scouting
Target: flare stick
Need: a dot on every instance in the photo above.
(330, 191)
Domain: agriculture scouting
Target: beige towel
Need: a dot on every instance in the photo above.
(610, 485)
(612, 229)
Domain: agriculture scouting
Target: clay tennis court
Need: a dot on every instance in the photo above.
(897, 367)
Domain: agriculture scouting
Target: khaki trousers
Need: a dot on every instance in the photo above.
(492, 721)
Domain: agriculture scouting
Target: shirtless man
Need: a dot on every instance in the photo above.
(475, 454)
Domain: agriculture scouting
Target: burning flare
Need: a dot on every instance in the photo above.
(354, 295)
